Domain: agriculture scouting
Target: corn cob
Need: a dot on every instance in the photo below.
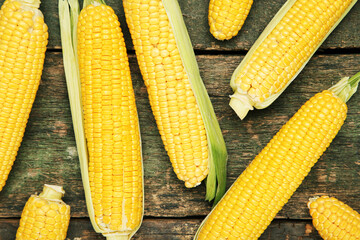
(333, 219)
(226, 17)
(45, 217)
(23, 40)
(179, 101)
(112, 171)
(282, 51)
(274, 175)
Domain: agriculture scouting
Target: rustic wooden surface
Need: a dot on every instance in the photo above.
(48, 153)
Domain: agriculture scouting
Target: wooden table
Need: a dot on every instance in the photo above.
(48, 153)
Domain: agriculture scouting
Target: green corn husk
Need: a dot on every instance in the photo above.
(216, 179)
(68, 16)
(240, 101)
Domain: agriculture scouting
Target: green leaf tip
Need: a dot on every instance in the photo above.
(216, 179)
(346, 87)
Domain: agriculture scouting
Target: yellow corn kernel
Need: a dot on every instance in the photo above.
(42, 218)
(333, 219)
(172, 99)
(274, 175)
(282, 51)
(23, 40)
(226, 17)
(110, 122)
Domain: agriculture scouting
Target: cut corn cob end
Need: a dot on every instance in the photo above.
(241, 104)
(45, 216)
(117, 236)
(334, 219)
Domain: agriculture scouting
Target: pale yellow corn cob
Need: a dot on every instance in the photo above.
(333, 219)
(283, 49)
(226, 17)
(111, 122)
(23, 40)
(45, 217)
(274, 175)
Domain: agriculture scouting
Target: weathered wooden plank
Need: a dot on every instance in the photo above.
(171, 229)
(347, 34)
(48, 153)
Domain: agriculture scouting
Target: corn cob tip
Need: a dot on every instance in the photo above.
(52, 192)
(311, 200)
(333, 219)
(241, 104)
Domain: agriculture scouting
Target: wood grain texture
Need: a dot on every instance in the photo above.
(346, 35)
(48, 153)
(171, 229)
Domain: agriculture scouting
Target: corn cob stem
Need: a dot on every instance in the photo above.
(117, 237)
(94, 2)
(52, 192)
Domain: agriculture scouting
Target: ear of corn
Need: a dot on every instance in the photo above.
(23, 40)
(178, 97)
(282, 51)
(45, 216)
(333, 219)
(274, 175)
(110, 158)
(226, 17)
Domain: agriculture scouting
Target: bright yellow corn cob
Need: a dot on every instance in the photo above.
(111, 121)
(23, 40)
(274, 175)
(45, 217)
(226, 17)
(113, 178)
(179, 101)
(282, 50)
(333, 219)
